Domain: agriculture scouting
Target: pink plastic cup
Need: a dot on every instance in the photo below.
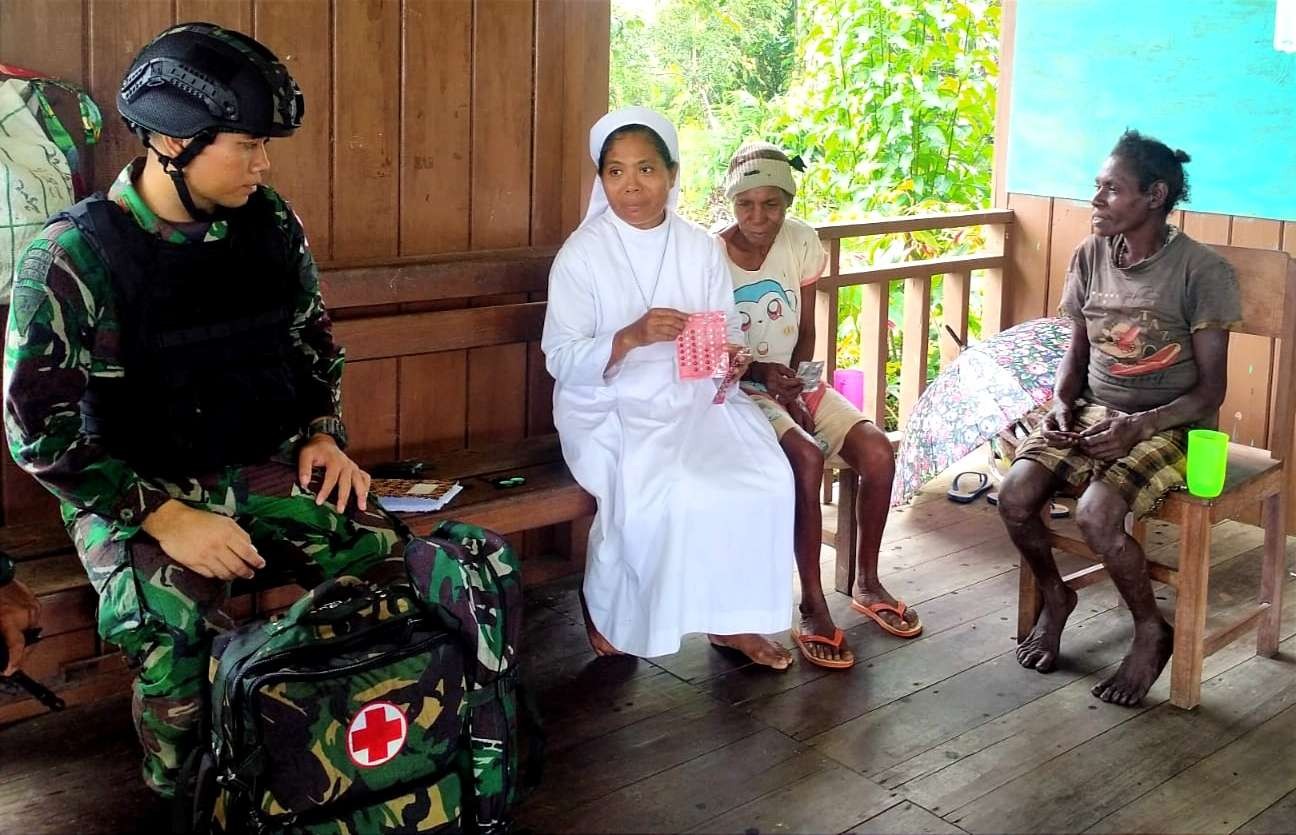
(849, 382)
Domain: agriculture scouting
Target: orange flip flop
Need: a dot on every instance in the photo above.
(872, 610)
(835, 642)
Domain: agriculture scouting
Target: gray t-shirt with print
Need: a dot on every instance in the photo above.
(1140, 319)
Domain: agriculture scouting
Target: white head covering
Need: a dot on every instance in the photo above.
(618, 119)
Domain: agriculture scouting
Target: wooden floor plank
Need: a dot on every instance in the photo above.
(607, 697)
(868, 641)
(599, 766)
(828, 701)
(1089, 782)
(76, 771)
(1230, 593)
(917, 732)
(697, 660)
(909, 666)
(906, 818)
(904, 522)
(973, 764)
(1220, 792)
(832, 800)
(970, 527)
(1280, 817)
(549, 635)
(695, 791)
(872, 743)
(951, 572)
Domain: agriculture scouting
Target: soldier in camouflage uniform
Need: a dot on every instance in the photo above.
(171, 377)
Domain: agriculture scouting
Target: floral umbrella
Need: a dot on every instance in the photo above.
(990, 385)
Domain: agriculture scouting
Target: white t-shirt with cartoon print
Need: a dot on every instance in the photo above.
(769, 299)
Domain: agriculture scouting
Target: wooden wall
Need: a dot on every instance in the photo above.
(1047, 230)
(434, 129)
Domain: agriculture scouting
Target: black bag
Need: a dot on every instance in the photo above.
(375, 709)
(345, 715)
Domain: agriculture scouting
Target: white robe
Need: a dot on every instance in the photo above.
(695, 500)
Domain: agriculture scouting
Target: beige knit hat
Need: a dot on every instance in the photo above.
(758, 164)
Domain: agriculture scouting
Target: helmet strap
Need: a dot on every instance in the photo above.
(174, 167)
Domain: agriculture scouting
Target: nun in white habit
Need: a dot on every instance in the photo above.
(694, 525)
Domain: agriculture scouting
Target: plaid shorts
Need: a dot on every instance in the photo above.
(1143, 477)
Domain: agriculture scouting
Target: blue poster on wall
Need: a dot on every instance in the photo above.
(1201, 75)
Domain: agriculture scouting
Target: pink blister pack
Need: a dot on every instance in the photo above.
(700, 350)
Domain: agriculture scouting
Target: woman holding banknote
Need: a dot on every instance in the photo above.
(774, 261)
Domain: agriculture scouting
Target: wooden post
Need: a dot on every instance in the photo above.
(1272, 574)
(847, 536)
(1190, 610)
(996, 290)
(913, 360)
(873, 349)
(826, 312)
(1029, 599)
(955, 298)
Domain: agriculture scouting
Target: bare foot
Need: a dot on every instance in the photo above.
(820, 622)
(759, 649)
(869, 596)
(1147, 657)
(598, 643)
(1039, 650)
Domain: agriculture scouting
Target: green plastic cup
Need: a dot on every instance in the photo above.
(1207, 462)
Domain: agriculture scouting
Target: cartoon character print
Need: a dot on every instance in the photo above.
(1133, 346)
(769, 318)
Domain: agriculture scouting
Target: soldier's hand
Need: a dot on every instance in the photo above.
(340, 472)
(19, 610)
(207, 543)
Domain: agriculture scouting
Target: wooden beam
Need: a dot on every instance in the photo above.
(1224, 636)
(1003, 102)
(909, 269)
(447, 330)
(915, 223)
(416, 279)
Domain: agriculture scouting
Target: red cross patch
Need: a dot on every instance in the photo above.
(376, 734)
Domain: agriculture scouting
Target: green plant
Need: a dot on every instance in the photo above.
(890, 102)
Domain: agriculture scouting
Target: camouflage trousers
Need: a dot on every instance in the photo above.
(163, 616)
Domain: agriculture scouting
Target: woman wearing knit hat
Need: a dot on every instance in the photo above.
(775, 261)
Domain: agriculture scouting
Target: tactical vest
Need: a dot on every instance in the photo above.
(212, 378)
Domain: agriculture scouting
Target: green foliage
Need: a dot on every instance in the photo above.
(890, 102)
(712, 66)
(893, 103)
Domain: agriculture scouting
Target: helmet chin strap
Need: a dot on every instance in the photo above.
(174, 167)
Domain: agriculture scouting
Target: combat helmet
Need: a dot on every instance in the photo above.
(197, 79)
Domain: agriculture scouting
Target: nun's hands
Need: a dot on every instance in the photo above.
(660, 324)
(740, 360)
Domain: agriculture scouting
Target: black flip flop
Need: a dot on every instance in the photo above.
(968, 496)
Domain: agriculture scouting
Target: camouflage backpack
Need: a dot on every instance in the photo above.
(374, 708)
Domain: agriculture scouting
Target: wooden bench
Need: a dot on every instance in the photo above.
(442, 354)
(47, 562)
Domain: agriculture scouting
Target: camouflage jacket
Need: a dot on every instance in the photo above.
(63, 329)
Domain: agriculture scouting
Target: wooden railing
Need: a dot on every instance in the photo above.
(917, 277)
